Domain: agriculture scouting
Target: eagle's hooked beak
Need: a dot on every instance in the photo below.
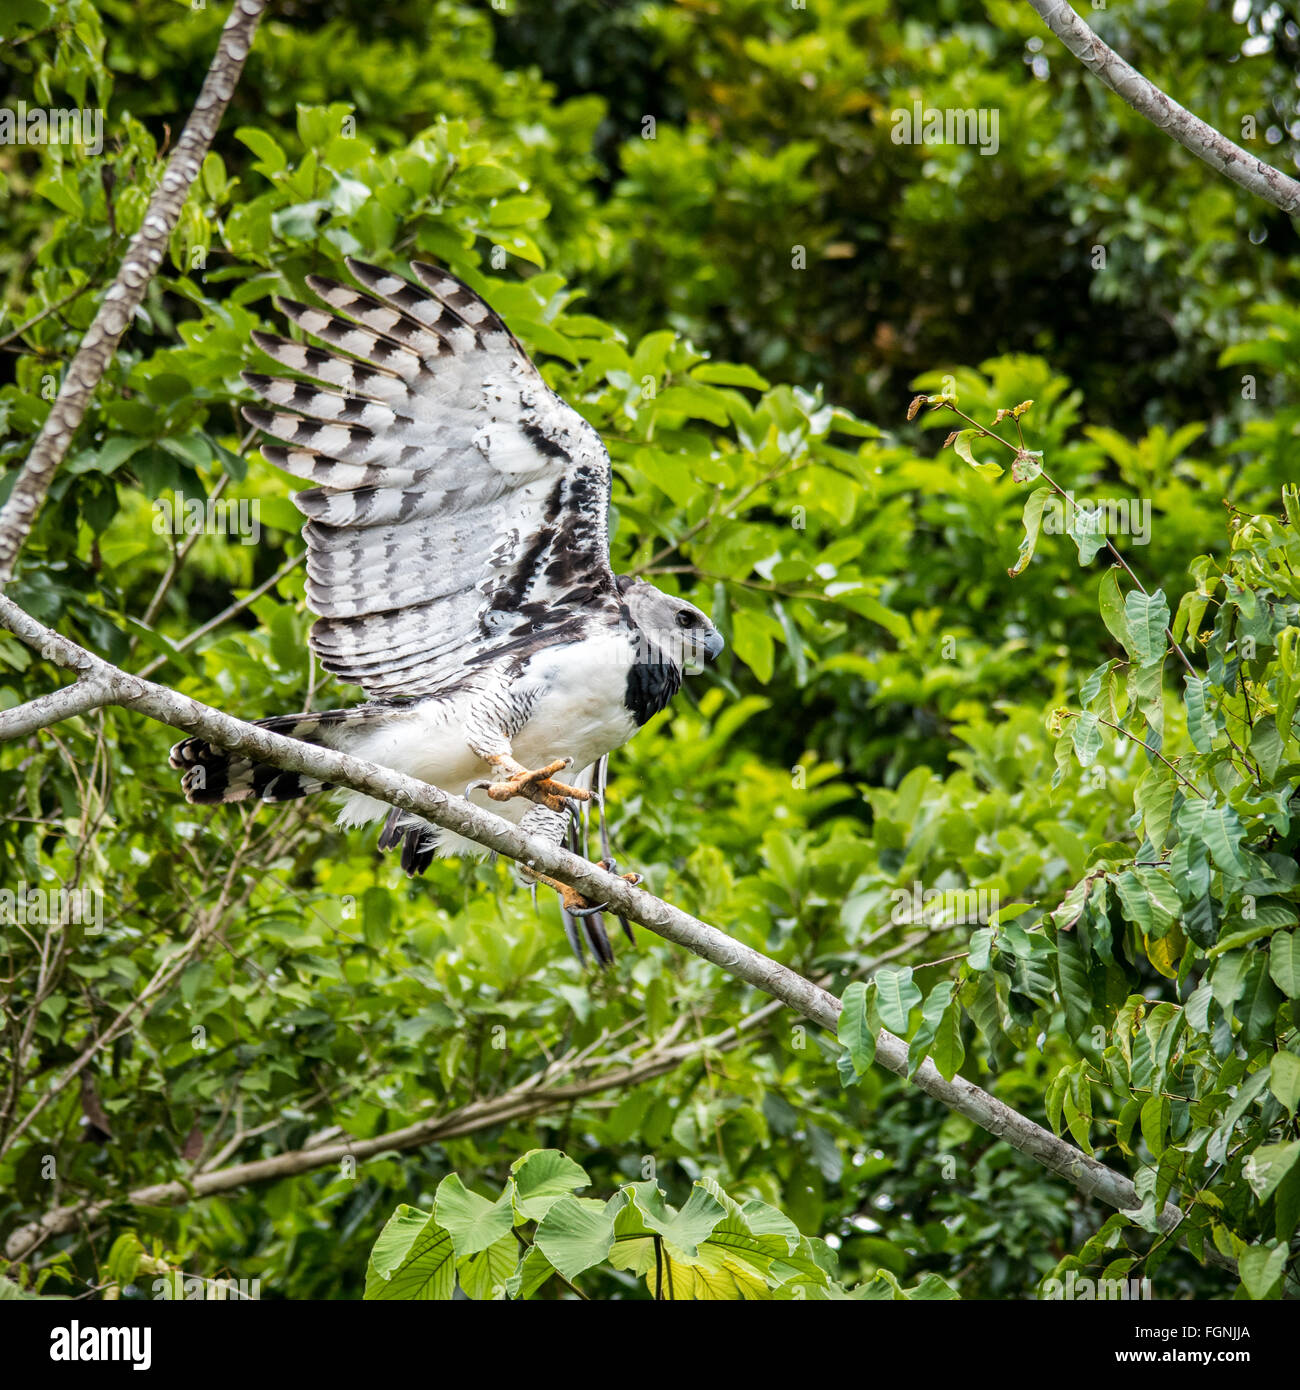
(713, 645)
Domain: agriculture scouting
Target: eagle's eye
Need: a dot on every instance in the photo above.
(686, 618)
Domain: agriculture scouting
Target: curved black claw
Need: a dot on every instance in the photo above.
(583, 931)
(586, 911)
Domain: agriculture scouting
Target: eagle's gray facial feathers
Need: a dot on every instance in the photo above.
(670, 638)
(678, 631)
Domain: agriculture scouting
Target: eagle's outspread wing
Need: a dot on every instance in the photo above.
(458, 559)
(459, 513)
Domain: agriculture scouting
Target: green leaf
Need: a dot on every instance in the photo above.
(1284, 1079)
(1284, 963)
(541, 1177)
(1147, 616)
(1257, 1008)
(729, 374)
(962, 448)
(271, 158)
(1084, 525)
(534, 1270)
(1032, 518)
(1076, 989)
(413, 1258)
(932, 1014)
(981, 944)
(896, 997)
(1200, 725)
(1221, 829)
(521, 210)
(1261, 1268)
(949, 1051)
(487, 1274)
(854, 1030)
(1268, 1165)
(1113, 610)
(686, 1230)
(1086, 737)
(1154, 798)
(472, 1221)
(1155, 1123)
(578, 1232)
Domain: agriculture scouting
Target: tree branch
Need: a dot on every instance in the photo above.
(143, 258)
(1192, 133)
(78, 698)
(1087, 1174)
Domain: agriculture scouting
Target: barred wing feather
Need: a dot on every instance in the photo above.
(458, 513)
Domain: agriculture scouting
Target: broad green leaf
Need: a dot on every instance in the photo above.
(855, 1032)
(413, 1258)
(1113, 612)
(932, 1014)
(541, 1177)
(533, 1271)
(1262, 1268)
(1155, 1123)
(1147, 616)
(1200, 724)
(948, 1052)
(728, 374)
(1221, 829)
(472, 1221)
(896, 997)
(1154, 798)
(1284, 963)
(1284, 1079)
(1086, 737)
(578, 1232)
(485, 1275)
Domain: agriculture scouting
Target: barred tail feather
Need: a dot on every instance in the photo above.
(212, 775)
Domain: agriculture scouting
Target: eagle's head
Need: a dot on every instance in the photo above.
(672, 629)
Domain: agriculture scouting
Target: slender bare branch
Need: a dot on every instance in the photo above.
(143, 258)
(49, 709)
(1243, 168)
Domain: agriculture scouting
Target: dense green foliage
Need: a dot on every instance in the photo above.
(895, 709)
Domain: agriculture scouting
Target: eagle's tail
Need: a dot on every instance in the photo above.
(213, 775)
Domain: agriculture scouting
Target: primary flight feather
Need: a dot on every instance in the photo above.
(458, 559)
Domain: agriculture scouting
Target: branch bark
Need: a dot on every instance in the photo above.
(1192, 133)
(78, 698)
(143, 258)
(1086, 1174)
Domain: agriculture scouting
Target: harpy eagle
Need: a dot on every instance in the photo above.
(458, 562)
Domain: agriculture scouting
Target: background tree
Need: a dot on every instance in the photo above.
(886, 716)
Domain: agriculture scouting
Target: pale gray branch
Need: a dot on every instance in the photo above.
(1206, 143)
(1085, 1173)
(126, 293)
(49, 709)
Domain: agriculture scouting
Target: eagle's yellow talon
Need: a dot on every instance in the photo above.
(537, 785)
